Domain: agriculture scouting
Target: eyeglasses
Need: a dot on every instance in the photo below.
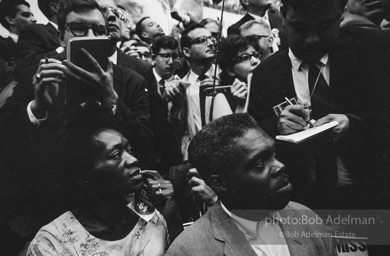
(167, 56)
(146, 55)
(203, 40)
(246, 56)
(80, 29)
(118, 12)
(258, 37)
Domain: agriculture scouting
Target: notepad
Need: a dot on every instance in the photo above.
(307, 134)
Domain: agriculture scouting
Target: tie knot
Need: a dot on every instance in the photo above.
(202, 77)
(162, 82)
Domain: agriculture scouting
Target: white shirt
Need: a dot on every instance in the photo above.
(265, 18)
(300, 73)
(114, 57)
(266, 238)
(14, 37)
(194, 119)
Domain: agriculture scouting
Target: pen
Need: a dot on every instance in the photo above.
(311, 121)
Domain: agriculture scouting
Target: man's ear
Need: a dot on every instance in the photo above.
(10, 20)
(270, 41)
(244, 2)
(186, 52)
(61, 38)
(145, 35)
(153, 57)
(217, 183)
(53, 6)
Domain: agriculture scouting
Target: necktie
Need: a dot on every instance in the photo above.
(320, 93)
(161, 86)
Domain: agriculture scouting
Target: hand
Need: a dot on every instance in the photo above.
(46, 81)
(174, 90)
(160, 190)
(130, 50)
(209, 82)
(293, 118)
(239, 91)
(340, 129)
(98, 79)
(199, 187)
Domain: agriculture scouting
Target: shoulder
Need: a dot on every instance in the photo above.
(125, 73)
(272, 63)
(55, 236)
(196, 236)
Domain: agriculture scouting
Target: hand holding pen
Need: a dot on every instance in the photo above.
(293, 118)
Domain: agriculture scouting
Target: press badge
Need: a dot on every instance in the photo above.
(280, 107)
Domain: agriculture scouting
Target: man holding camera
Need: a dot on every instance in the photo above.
(30, 118)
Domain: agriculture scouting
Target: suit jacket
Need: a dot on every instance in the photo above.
(359, 85)
(216, 234)
(167, 145)
(275, 20)
(7, 48)
(133, 63)
(37, 41)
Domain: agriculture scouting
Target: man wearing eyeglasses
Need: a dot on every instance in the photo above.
(198, 47)
(262, 32)
(30, 119)
(116, 16)
(166, 96)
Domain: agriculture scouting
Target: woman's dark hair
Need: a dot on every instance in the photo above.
(229, 48)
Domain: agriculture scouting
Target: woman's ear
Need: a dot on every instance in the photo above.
(230, 71)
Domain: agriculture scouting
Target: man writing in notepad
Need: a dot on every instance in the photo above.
(332, 81)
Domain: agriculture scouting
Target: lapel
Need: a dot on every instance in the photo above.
(283, 84)
(246, 18)
(296, 245)
(51, 29)
(225, 231)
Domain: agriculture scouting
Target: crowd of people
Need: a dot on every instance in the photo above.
(178, 130)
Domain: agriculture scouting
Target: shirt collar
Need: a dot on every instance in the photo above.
(257, 17)
(53, 24)
(157, 76)
(114, 57)
(14, 37)
(297, 62)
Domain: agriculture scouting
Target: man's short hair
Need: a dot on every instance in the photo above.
(185, 40)
(44, 6)
(231, 46)
(139, 29)
(164, 42)
(249, 24)
(307, 6)
(10, 8)
(67, 6)
(206, 21)
(214, 150)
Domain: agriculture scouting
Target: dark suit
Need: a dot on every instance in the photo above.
(139, 66)
(359, 86)
(215, 233)
(30, 173)
(7, 48)
(37, 41)
(275, 20)
(167, 146)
